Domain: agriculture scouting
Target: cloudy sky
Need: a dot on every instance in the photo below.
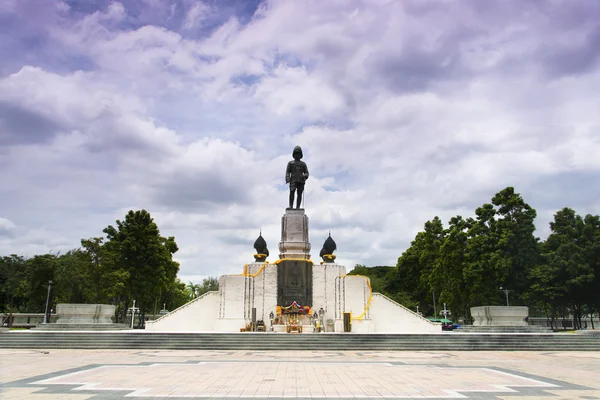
(405, 109)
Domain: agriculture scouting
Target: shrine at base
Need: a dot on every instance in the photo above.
(294, 295)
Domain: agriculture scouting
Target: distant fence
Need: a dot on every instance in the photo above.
(31, 320)
(563, 323)
(26, 320)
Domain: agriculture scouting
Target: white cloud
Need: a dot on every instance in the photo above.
(196, 14)
(7, 227)
(405, 110)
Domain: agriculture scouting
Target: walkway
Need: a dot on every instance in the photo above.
(171, 374)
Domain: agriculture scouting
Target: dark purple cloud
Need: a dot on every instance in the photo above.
(406, 110)
(19, 125)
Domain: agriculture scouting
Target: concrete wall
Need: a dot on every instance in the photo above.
(85, 313)
(239, 294)
(356, 295)
(230, 309)
(500, 315)
(352, 296)
(391, 317)
(198, 315)
(325, 277)
(262, 291)
(232, 289)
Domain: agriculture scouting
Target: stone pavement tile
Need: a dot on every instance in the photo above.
(309, 374)
(219, 393)
(29, 392)
(561, 395)
(303, 391)
(316, 393)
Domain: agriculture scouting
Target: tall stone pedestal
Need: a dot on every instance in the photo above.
(294, 282)
(294, 235)
(295, 270)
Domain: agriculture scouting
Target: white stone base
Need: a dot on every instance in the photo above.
(199, 315)
(230, 325)
(85, 313)
(500, 315)
(334, 293)
(391, 317)
(362, 326)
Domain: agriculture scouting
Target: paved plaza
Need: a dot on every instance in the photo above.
(180, 374)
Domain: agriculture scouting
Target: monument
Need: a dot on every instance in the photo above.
(83, 317)
(293, 294)
(296, 175)
(294, 271)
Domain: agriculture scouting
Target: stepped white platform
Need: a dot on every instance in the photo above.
(324, 287)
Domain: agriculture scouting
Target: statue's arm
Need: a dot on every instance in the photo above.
(288, 172)
(305, 172)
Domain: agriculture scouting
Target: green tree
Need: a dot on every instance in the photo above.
(12, 272)
(501, 248)
(382, 281)
(176, 295)
(106, 281)
(566, 279)
(39, 270)
(69, 278)
(547, 291)
(377, 276)
(567, 253)
(145, 255)
(196, 290)
(447, 273)
(413, 276)
(209, 284)
(591, 244)
(517, 246)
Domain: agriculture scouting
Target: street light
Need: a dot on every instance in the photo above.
(164, 310)
(47, 316)
(133, 310)
(445, 312)
(506, 291)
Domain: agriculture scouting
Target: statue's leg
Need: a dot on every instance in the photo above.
(299, 198)
(292, 197)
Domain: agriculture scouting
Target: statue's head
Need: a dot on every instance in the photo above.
(297, 153)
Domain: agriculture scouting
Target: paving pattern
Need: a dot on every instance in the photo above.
(172, 374)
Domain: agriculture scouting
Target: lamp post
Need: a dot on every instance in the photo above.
(445, 312)
(445, 324)
(133, 310)
(164, 310)
(47, 316)
(506, 291)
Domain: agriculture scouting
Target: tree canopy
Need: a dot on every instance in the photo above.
(132, 262)
(465, 263)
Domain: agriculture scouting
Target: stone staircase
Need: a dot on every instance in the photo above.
(198, 315)
(448, 341)
(504, 329)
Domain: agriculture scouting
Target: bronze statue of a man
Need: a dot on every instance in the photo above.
(296, 174)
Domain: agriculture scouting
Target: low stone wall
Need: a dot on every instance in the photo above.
(500, 315)
(85, 313)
